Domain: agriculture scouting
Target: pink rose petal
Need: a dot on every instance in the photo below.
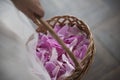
(56, 61)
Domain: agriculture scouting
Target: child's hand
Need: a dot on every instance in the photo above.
(29, 8)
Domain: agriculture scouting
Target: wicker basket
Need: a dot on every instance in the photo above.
(80, 70)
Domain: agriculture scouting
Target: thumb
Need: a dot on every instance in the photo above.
(38, 10)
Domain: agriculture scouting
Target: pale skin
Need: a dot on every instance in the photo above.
(30, 8)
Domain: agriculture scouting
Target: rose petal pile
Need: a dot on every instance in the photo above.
(53, 56)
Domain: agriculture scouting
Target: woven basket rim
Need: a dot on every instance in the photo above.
(88, 59)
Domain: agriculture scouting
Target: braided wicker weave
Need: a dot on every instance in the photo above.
(80, 70)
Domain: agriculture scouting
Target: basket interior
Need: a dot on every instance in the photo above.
(87, 60)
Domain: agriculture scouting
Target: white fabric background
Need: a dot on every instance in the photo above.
(17, 61)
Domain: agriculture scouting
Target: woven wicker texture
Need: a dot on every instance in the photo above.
(84, 64)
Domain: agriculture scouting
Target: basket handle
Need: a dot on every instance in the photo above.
(49, 28)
